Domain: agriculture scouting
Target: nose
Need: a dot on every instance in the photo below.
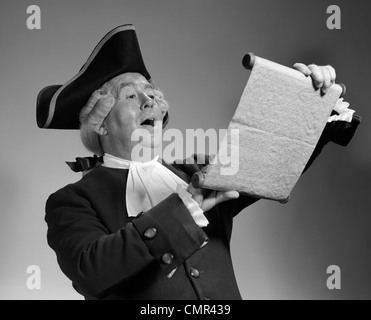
(146, 102)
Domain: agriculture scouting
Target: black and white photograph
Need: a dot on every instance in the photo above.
(203, 150)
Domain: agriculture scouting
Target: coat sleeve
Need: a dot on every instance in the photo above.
(96, 260)
(338, 132)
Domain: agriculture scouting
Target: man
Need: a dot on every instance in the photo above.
(132, 230)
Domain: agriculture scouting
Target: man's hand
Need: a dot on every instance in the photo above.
(207, 199)
(323, 76)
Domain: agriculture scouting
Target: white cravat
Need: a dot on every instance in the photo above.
(149, 183)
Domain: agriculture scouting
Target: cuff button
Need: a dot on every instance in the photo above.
(150, 233)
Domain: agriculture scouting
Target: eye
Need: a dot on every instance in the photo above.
(150, 94)
(131, 96)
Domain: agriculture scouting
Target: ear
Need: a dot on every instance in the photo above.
(102, 131)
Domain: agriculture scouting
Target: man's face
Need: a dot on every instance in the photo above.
(135, 109)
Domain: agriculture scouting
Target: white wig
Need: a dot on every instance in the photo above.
(97, 109)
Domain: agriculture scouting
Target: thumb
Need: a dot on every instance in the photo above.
(227, 195)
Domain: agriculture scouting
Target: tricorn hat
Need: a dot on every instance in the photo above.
(58, 106)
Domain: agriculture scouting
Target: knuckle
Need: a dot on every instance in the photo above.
(317, 74)
(330, 67)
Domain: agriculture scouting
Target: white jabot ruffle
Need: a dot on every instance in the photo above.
(149, 183)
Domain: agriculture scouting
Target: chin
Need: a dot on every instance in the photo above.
(153, 143)
(147, 142)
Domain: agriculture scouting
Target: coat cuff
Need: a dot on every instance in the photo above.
(170, 233)
(341, 132)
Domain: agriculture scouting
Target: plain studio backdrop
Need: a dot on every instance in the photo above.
(193, 49)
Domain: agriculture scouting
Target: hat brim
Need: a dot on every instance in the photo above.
(58, 106)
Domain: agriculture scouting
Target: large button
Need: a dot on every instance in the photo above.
(150, 233)
(167, 258)
(195, 273)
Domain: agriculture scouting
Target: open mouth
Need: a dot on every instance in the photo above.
(149, 122)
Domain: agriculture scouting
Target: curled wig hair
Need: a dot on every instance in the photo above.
(97, 109)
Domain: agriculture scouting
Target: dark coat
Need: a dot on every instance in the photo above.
(108, 255)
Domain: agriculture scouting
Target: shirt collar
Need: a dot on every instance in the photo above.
(111, 161)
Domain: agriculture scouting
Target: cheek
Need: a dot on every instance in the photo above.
(124, 118)
(123, 123)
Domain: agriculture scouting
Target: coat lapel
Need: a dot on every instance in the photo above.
(177, 169)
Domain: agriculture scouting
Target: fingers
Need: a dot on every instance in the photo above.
(227, 195)
(302, 68)
(216, 197)
(317, 75)
(196, 193)
(323, 76)
(332, 73)
(207, 199)
(327, 83)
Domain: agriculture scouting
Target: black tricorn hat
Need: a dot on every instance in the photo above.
(58, 106)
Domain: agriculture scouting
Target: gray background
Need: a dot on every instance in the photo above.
(193, 49)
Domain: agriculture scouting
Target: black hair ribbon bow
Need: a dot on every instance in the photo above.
(85, 163)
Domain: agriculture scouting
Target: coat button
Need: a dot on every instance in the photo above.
(167, 258)
(150, 233)
(195, 273)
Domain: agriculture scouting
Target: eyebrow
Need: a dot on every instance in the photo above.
(132, 84)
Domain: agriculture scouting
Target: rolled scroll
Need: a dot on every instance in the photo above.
(278, 121)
